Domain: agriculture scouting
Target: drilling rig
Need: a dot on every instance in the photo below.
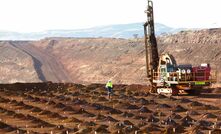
(164, 73)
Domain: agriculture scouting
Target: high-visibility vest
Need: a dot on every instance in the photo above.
(109, 84)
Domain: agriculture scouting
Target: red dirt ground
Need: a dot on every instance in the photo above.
(73, 108)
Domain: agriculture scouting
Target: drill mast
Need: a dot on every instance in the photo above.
(152, 56)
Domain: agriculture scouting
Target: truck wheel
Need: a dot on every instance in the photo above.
(153, 88)
(175, 91)
(193, 92)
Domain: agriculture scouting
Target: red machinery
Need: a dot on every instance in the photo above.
(202, 72)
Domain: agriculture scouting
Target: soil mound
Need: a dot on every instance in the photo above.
(195, 130)
(184, 100)
(144, 110)
(149, 128)
(12, 113)
(195, 103)
(209, 115)
(51, 102)
(192, 112)
(20, 116)
(100, 117)
(210, 107)
(45, 112)
(21, 103)
(143, 101)
(130, 129)
(109, 118)
(175, 116)
(174, 129)
(75, 120)
(126, 114)
(179, 108)
(28, 107)
(12, 102)
(119, 125)
(29, 97)
(88, 114)
(187, 118)
(163, 106)
(55, 115)
(76, 93)
(79, 101)
(152, 119)
(204, 123)
(68, 108)
(139, 117)
(60, 105)
(169, 121)
(36, 99)
(102, 129)
(115, 111)
(3, 100)
(187, 121)
(132, 106)
(36, 109)
(97, 106)
(102, 99)
(159, 114)
(168, 130)
(89, 124)
(84, 130)
(127, 122)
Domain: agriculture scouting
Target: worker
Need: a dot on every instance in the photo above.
(109, 87)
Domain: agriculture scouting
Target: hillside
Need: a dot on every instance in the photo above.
(16, 65)
(99, 59)
(95, 60)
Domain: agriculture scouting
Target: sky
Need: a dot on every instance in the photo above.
(40, 15)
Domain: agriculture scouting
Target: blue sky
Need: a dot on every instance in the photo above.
(40, 15)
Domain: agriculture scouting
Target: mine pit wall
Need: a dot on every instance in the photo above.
(36, 63)
(99, 59)
(15, 65)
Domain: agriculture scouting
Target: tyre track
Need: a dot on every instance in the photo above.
(37, 63)
(47, 67)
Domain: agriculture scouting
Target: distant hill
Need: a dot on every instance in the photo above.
(111, 31)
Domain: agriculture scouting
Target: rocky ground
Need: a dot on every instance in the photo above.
(73, 108)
